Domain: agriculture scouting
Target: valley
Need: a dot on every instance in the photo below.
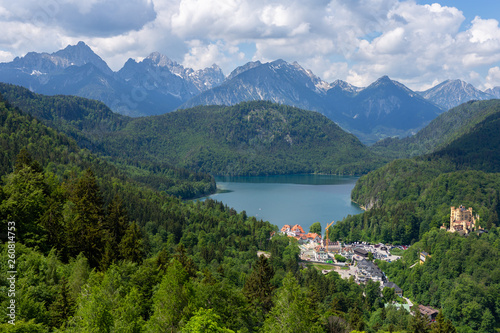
(117, 186)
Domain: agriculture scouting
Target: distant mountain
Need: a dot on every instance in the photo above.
(447, 127)
(451, 93)
(276, 81)
(254, 138)
(384, 108)
(155, 85)
(494, 92)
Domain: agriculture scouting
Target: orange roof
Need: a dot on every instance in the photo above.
(298, 227)
(285, 227)
(312, 235)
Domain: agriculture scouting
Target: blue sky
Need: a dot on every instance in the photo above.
(419, 43)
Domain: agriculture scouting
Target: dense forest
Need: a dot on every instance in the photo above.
(407, 197)
(254, 138)
(97, 251)
(81, 119)
(461, 275)
(408, 200)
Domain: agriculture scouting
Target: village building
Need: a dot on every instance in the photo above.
(367, 270)
(398, 291)
(361, 252)
(429, 312)
(463, 221)
(320, 254)
(298, 233)
(297, 230)
(423, 256)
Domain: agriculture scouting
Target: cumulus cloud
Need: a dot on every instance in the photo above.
(357, 41)
(493, 77)
(85, 18)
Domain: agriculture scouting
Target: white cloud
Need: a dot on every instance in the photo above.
(357, 41)
(493, 78)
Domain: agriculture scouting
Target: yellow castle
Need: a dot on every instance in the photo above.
(462, 220)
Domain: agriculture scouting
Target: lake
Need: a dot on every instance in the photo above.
(290, 199)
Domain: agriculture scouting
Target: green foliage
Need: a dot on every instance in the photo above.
(204, 321)
(441, 131)
(258, 288)
(315, 228)
(388, 295)
(409, 197)
(253, 138)
(292, 311)
(460, 276)
(87, 122)
(410, 205)
(340, 258)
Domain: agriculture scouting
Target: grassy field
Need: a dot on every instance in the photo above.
(397, 252)
(320, 267)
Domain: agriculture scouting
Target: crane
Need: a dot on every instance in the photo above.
(326, 234)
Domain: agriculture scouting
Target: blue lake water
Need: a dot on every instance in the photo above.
(290, 199)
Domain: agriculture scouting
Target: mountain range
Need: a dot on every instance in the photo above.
(251, 138)
(157, 85)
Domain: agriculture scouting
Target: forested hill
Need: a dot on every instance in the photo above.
(408, 197)
(460, 276)
(441, 131)
(96, 251)
(85, 120)
(254, 138)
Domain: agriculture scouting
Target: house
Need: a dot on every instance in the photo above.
(320, 253)
(367, 270)
(297, 230)
(423, 256)
(313, 237)
(398, 291)
(361, 252)
(286, 229)
(428, 311)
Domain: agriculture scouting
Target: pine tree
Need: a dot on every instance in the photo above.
(114, 228)
(258, 288)
(292, 311)
(131, 246)
(63, 307)
(85, 229)
(442, 325)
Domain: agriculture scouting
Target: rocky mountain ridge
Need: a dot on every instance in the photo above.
(157, 85)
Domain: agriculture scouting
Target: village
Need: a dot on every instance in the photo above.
(352, 261)
(356, 260)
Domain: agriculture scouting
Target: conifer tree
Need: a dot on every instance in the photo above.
(131, 245)
(85, 229)
(64, 305)
(258, 288)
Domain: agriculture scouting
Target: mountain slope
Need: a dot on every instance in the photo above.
(385, 108)
(451, 93)
(246, 139)
(251, 138)
(442, 130)
(154, 86)
(85, 120)
(277, 81)
(407, 197)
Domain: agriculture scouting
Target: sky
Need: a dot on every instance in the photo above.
(419, 43)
